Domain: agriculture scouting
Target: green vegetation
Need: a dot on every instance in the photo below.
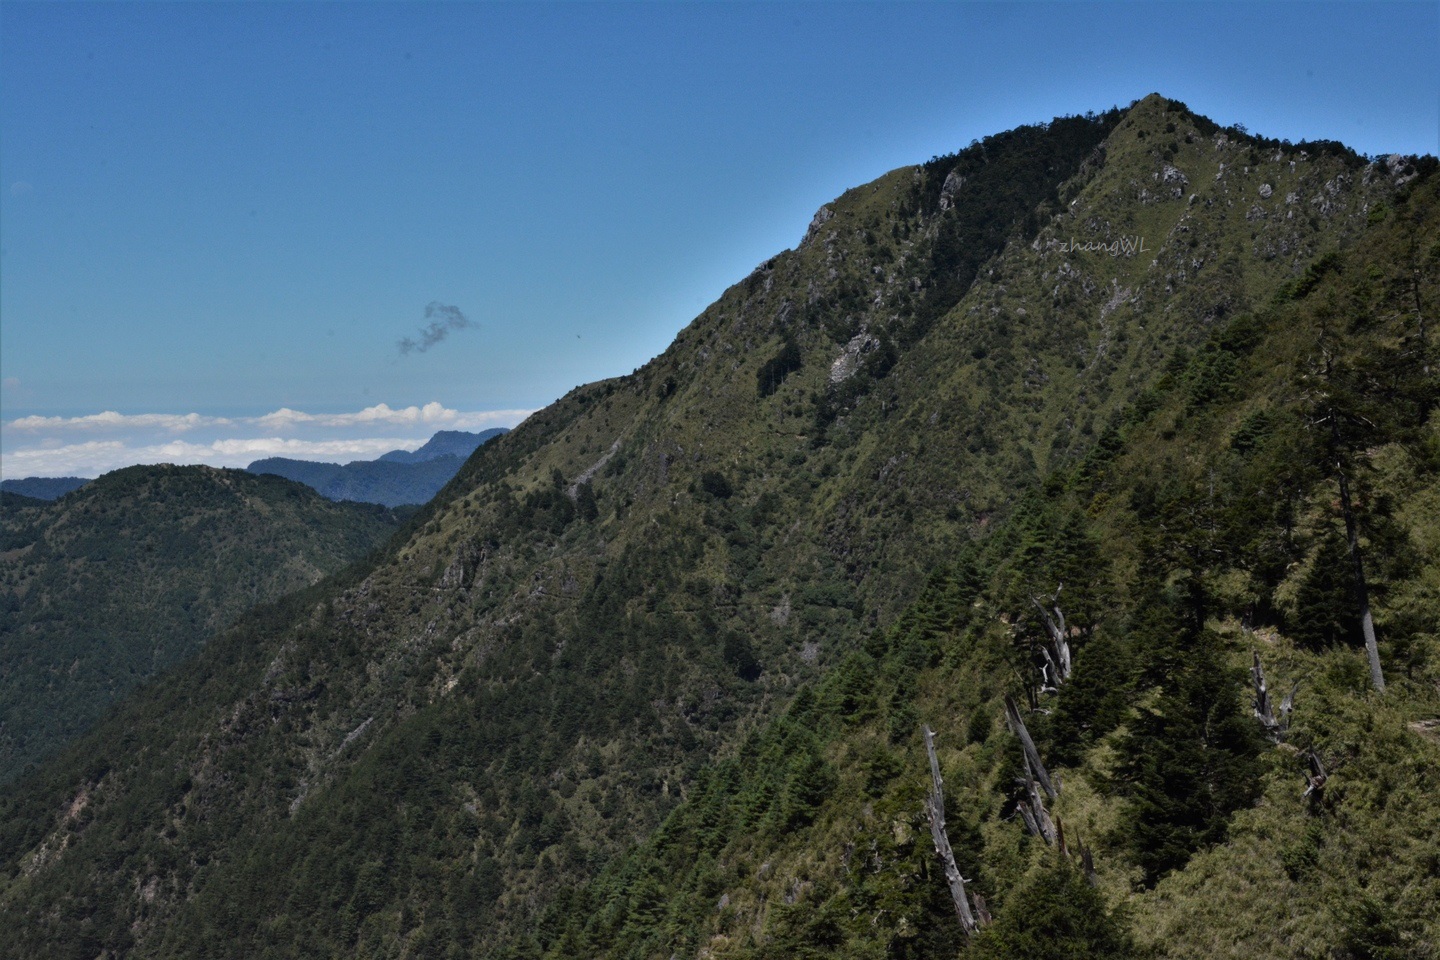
(647, 677)
(129, 576)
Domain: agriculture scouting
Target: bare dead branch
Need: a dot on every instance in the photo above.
(1316, 778)
(1032, 756)
(1275, 728)
(1057, 657)
(935, 807)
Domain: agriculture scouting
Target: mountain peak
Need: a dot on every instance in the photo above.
(445, 443)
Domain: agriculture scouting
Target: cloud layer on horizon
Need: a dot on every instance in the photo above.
(90, 445)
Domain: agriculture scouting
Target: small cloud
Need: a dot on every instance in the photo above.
(443, 319)
(21, 187)
(10, 384)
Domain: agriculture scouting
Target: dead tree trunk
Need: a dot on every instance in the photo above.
(982, 912)
(1032, 810)
(1274, 728)
(1088, 863)
(1315, 779)
(1352, 535)
(1032, 756)
(1262, 695)
(935, 807)
(1057, 657)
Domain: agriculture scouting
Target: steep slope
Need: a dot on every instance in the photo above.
(396, 479)
(1203, 534)
(128, 576)
(416, 759)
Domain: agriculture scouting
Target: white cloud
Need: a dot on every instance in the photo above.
(69, 446)
(111, 420)
(431, 414)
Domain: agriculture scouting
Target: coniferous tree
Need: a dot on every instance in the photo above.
(1054, 915)
(1191, 760)
(1325, 606)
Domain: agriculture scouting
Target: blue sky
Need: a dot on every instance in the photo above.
(219, 221)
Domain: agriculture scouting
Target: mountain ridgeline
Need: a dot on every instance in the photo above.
(397, 478)
(1042, 445)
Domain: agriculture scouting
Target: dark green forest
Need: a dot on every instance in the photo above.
(127, 577)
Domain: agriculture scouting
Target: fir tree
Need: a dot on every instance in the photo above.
(1054, 915)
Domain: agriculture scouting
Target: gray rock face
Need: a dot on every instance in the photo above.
(1173, 175)
(822, 216)
(1401, 169)
(952, 186)
(848, 362)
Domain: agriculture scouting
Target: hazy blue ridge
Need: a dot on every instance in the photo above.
(43, 488)
(397, 478)
(446, 443)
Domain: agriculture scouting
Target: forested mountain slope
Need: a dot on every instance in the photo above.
(129, 575)
(698, 582)
(1199, 549)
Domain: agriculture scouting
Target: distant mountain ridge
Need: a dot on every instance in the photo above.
(43, 488)
(394, 479)
(446, 443)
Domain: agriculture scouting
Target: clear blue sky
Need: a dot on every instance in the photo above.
(229, 209)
